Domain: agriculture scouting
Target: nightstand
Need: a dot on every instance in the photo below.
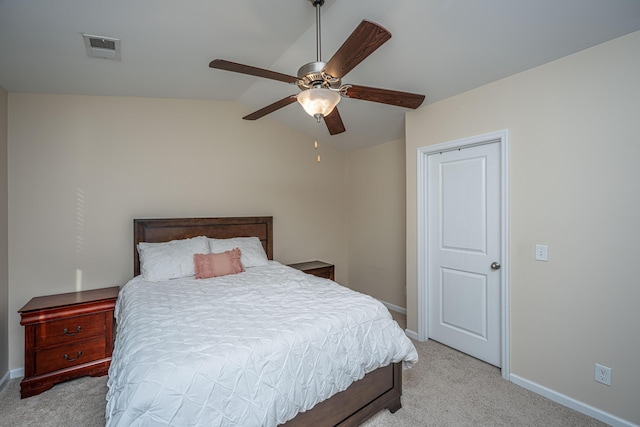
(317, 268)
(67, 336)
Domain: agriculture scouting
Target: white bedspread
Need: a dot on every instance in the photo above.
(250, 349)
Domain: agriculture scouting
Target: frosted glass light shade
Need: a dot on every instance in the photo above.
(318, 101)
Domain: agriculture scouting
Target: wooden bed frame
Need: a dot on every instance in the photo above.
(378, 390)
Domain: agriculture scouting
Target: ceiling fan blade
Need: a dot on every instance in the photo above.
(384, 96)
(334, 122)
(221, 64)
(365, 39)
(271, 108)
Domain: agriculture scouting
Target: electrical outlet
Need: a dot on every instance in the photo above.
(542, 253)
(603, 374)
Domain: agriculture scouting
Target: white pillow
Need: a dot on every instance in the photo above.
(170, 260)
(252, 251)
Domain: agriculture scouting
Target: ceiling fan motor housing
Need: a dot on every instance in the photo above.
(312, 75)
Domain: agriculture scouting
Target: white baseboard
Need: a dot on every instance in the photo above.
(16, 373)
(411, 334)
(571, 403)
(394, 307)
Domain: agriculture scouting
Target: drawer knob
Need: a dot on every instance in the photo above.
(66, 356)
(66, 331)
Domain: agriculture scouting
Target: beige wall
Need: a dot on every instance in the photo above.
(4, 270)
(81, 168)
(376, 209)
(575, 185)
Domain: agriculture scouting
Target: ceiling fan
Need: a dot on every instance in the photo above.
(321, 83)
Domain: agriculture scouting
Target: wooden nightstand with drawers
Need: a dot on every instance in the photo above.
(317, 268)
(67, 336)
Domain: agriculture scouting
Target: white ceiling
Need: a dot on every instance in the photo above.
(439, 48)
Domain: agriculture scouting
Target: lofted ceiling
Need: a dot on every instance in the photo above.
(438, 48)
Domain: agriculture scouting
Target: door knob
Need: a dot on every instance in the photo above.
(495, 265)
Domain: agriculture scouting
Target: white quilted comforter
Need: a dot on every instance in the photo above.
(250, 349)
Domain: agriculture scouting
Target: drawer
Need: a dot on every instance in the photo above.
(65, 356)
(70, 329)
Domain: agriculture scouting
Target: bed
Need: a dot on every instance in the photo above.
(165, 372)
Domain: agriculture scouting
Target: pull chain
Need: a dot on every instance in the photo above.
(315, 146)
(315, 143)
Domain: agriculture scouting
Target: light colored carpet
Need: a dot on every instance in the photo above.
(79, 402)
(445, 388)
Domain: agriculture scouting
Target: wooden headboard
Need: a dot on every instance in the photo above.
(166, 229)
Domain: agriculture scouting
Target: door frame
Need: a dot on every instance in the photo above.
(501, 138)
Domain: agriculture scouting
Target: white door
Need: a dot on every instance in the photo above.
(463, 250)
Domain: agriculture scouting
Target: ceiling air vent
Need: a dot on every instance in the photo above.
(102, 47)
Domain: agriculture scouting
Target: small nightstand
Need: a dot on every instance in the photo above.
(66, 336)
(317, 268)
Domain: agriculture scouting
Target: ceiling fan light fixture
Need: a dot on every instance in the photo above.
(318, 101)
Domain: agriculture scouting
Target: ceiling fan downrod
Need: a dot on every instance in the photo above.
(318, 4)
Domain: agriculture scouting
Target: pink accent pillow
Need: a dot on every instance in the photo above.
(214, 265)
